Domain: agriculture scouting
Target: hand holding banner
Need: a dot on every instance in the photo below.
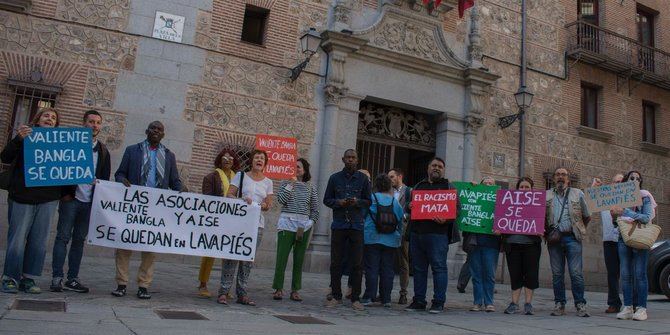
(520, 212)
(58, 156)
(605, 197)
(428, 205)
(164, 221)
(282, 155)
(477, 205)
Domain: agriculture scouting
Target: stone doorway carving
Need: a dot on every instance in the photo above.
(391, 137)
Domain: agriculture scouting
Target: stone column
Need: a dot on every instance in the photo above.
(470, 147)
(449, 145)
(339, 131)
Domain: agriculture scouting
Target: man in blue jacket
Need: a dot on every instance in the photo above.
(148, 163)
(348, 194)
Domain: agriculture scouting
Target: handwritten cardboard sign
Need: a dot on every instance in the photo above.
(477, 205)
(157, 220)
(282, 155)
(520, 212)
(58, 156)
(605, 197)
(427, 205)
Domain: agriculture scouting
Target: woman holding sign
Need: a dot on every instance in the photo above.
(523, 259)
(255, 188)
(216, 183)
(633, 262)
(300, 210)
(30, 212)
(483, 260)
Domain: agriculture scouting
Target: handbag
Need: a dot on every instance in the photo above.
(638, 235)
(554, 235)
(6, 177)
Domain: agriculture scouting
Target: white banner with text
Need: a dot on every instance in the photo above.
(164, 221)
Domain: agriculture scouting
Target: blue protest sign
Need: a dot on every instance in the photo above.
(58, 156)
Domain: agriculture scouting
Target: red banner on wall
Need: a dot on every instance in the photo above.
(427, 205)
(282, 155)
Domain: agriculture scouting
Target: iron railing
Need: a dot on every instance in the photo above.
(613, 47)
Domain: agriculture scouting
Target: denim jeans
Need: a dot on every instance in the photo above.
(378, 268)
(27, 238)
(425, 250)
(571, 250)
(73, 217)
(483, 262)
(633, 275)
(611, 255)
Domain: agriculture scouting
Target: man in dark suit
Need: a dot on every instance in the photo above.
(73, 215)
(151, 164)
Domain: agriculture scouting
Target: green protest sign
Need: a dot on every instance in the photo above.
(478, 203)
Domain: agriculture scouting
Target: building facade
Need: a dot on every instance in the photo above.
(396, 79)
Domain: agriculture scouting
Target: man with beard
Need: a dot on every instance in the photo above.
(567, 213)
(148, 163)
(429, 245)
(348, 194)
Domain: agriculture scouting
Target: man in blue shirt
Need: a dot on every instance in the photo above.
(348, 194)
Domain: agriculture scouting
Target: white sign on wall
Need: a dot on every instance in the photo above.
(168, 27)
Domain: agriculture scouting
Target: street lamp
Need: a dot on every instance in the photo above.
(523, 98)
(309, 44)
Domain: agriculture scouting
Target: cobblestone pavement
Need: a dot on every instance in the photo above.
(174, 288)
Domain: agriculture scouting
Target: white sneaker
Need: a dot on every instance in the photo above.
(640, 314)
(626, 313)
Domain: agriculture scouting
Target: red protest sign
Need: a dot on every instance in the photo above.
(282, 155)
(427, 205)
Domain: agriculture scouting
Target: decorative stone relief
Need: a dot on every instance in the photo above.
(203, 31)
(334, 94)
(245, 77)
(246, 114)
(66, 42)
(111, 14)
(408, 38)
(100, 89)
(473, 123)
(395, 123)
(342, 14)
(113, 130)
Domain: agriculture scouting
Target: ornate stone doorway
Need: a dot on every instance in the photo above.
(391, 137)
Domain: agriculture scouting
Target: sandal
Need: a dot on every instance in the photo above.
(278, 295)
(295, 296)
(222, 299)
(245, 300)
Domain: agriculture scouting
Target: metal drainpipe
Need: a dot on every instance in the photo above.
(522, 83)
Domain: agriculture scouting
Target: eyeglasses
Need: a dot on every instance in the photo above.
(634, 179)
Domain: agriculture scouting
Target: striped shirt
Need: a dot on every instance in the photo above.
(299, 198)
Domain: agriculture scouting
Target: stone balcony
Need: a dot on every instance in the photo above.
(617, 53)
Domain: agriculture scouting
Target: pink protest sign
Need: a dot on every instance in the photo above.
(520, 212)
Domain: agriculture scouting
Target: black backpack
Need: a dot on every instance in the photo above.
(385, 220)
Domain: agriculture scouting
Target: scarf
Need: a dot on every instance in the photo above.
(160, 163)
(225, 180)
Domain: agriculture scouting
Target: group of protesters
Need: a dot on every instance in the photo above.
(371, 231)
